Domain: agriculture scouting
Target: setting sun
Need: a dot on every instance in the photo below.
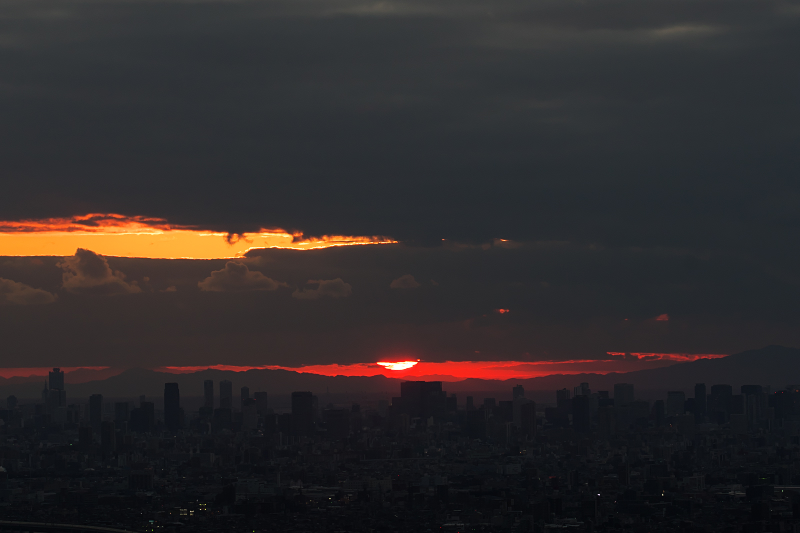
(399, 365)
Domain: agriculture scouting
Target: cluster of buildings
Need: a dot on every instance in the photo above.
(424, 461)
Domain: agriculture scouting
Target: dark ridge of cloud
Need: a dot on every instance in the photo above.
(406, 281)
(625, 123)
(333, 288)
(15, 293)
(238, 277)
(88, 273)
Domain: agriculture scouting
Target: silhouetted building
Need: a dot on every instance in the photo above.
(700, 401)
(719, 403)
(518, 392)
(57, 379)
(675, 403)
(225, 394)
(261, 402)
(11, 402)
(302, 413)
(208, 394)
(528, 418)
(245, 395)
(249, 414)
(422, 398)
(470, 403)
(172, 406)
(563, 399)
(121, 414)
(108, 436)
(623, 394)
(143, 418)
(96, 411)
(581, 413)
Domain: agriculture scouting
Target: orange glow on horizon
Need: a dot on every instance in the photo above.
(154, 238)
(459, 370)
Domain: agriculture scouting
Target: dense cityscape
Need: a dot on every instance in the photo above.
(424, 461)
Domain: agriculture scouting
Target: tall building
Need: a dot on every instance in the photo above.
(245, 392)
(518, 392)
(261, 402)
(700, 401)
(121, 413)
(225, 394)
(302, 413)
(581, 413)
(623, 394)
(582, 390)
(96, 411)
(528, 418)
(108, 436)
(57, 379)
(675, 403)
(719, 403)
(422, 398)
(208, 394)
(563, 399)
(249, 414)
(172, 406)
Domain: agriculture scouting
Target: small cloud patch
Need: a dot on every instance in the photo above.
(333, 288)
(236, 277)
(404, 282)
(16, 293)
(88, 273)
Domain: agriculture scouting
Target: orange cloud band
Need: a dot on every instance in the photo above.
(458, 370)
(153, 238)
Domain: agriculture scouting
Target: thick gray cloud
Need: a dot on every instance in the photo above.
(616, 122)
(88, 273)
(237, 277)
(15, 293)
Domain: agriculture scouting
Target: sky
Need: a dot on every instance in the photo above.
(342, 182)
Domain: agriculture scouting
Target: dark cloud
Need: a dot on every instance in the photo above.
(594, 300)
(237, 277)
(15, 293)
(670, 124)
(404, 282)
(334, 288)
(88, 273)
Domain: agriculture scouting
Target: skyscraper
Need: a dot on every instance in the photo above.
(57, 379)
(225, 394)
(172, 406)
(245, 392)
(518, 392)
(623, 394)
(96, 411)
(675, 403)
(208, 394)
(302, 413)
(261, 402)
(700, 401)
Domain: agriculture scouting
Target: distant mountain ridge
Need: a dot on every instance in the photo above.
(777, 366)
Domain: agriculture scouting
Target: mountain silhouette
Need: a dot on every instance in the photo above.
(777, 366)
